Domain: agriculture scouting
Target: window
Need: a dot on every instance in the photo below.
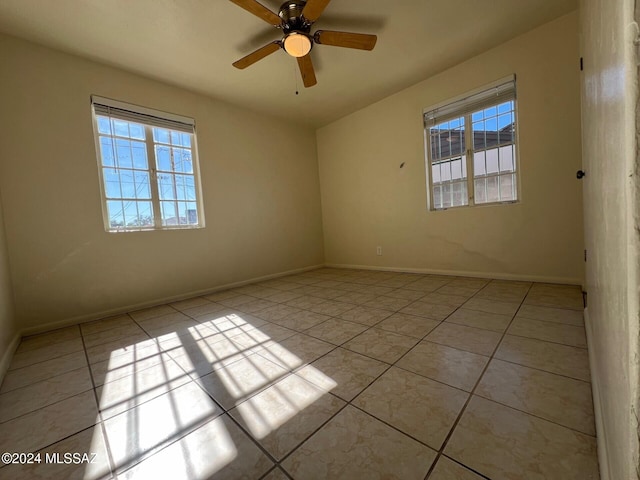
(148, 168)
(471, 149)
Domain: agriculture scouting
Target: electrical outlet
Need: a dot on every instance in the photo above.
(378, 250)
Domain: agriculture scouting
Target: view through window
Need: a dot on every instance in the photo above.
(148, 165)
(471, 152)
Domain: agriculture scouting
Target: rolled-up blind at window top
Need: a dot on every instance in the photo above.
(146, 116)
(500, 93)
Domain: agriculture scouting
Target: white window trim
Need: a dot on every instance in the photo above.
(469, 151)
(155, 197)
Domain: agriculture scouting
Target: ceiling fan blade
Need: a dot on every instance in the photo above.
(260, 11)
(360, 41)
(306, 70)
(259, 54)
(313, 9)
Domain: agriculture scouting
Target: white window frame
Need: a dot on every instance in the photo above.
(149, 118)
(492, 94)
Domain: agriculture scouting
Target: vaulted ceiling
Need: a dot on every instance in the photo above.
(192, 44)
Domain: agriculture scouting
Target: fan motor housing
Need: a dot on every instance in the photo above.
(292, 19)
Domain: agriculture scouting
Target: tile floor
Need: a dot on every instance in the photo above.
(329, 374)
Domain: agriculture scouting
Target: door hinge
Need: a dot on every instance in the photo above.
(585, 255)
(581, 64)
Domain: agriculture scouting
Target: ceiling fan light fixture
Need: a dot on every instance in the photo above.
(297, 44)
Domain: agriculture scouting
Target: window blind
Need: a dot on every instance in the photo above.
(502, 92)
(137, 114)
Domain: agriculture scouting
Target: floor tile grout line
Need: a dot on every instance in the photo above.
(100, 422)
(48, 359)
(525, 318)
(15, 389)
(541, 369)
(47, 405)
(464, 466)
(534, 415)
(45, 333)
(548, 341)
(464, 407)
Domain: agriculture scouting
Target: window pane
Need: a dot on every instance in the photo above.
(459, 193)
(492, 161)
(478, 136)
(190, 182)
(186, 139)
(123, 152)
(145, 214)
(143, 187)
(181, 191)
(480, 187)
(446, 195)
(437, 197)
(491, 124)
(182, 213)
(161, 135)
(104, 126)
(192, 213)
(166, 187)
(505, 107)
(182, 160)
(136, 131)
(169, 216)
(504, 121)
(479, 167)
(445, 171)
(447, 139)
(111, 183)
(515, 187)
(493, 189)
(131, 214)
(178, 161)
(175, 138)
(506, 159)
(163, 158)
(456, 169)
(435, 173)
(139, 151)
(127, 184)
(115, 212)
(507, 190)
(106, 152)
(121, 128)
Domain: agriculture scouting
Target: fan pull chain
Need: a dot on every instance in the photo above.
(295, 77)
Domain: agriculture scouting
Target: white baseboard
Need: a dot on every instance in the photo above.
(158, 301)
(597, 405)
(8, 355)
(463, 273)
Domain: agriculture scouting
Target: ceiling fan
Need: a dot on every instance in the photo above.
(295, 19)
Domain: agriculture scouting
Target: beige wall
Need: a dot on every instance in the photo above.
(368, 200)
(259, 178)
(612, 229)
(8, 328)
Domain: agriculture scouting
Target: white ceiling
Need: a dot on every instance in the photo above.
(192, 43)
